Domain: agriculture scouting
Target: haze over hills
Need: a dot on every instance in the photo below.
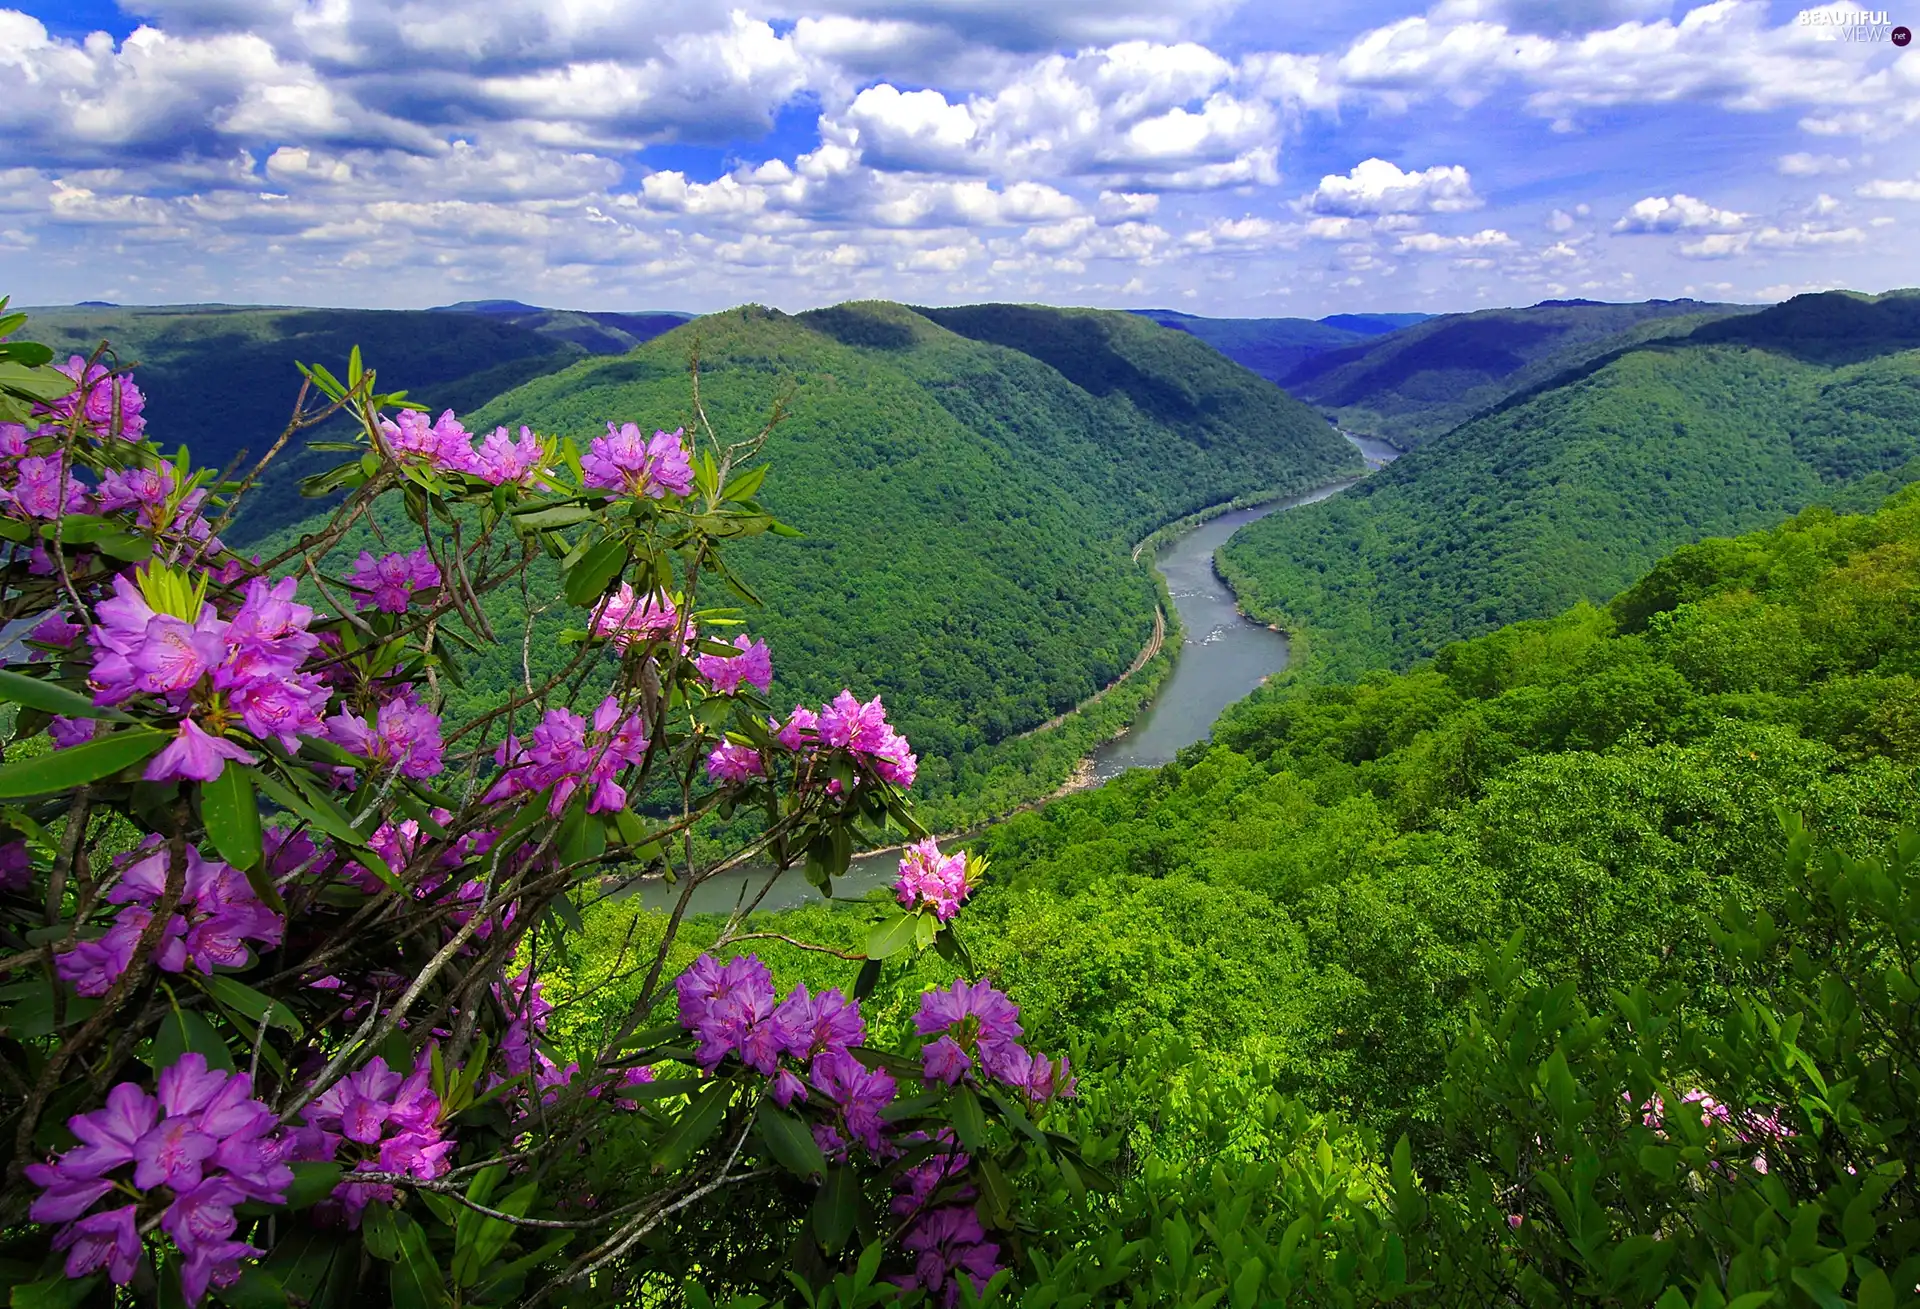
(597, 332)
(1412, 385)
(1275, 347)
(969, 500)
(1570, 492)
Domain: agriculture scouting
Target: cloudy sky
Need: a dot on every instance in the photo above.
(1276, 157)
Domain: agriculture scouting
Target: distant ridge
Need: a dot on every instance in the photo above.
(596, 332)
(1411, 385)
(1275, 347)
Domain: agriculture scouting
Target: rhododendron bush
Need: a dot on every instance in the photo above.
(274, 1025)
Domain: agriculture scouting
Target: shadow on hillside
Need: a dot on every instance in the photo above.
(1830, 328)
(855, 326)
(1079, 348)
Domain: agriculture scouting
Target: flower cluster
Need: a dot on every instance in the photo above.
(976, 1029)
(389, 582)
(218, 914)
(160, 639)
(928, 877)
(404, 734)
(565, 754)
(862, 730)
(731, 1008)
(624, 460)
(391, 1123)
(724, 673)
(628, 619)
(187, 1154)
(1751, 1127)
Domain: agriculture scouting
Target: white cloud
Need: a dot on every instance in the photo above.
(1677, 213)
(1803, 164)
(1433, 243)
(1886, 188)
(1375, 186)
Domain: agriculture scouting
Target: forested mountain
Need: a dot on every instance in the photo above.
(1482, 903)
(1275, 347)
(597, 332)
(1570, 492)
(1413, 385)
(220, 379)
(969, 508)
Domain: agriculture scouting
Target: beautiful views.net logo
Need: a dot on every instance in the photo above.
(1835, 24)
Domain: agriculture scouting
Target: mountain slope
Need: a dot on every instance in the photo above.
(1571, 492)
(1275, 347)
(1412, 385)
(595, 332)
(968, 510)
(221, 378)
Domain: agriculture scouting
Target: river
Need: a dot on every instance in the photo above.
(1223, 656)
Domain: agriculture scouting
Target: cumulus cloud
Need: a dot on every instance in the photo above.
(1890, 188)
(1375, 186)
(1677, 213)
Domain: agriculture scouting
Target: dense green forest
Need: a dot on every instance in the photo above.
(1414, 385)
(968, 509)
(1478, 903)
(1570, 493)
(597, 332)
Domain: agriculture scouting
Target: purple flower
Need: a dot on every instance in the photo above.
(858, 1092)
(221, 914)
(393, 1121)
(104, 1240)
(948, 1244)
(389, 583)
(69, 732)
(500, 461)
(982, 1022)
(930, 878)
(405, 734)
(724, 673)
(627, 618)
(194, 756)
(730, 1007)
(800, 724)
(945, 1060)
(862, 729)
(43, 490)
(442, 443)
(16, 866)
(815, 1024)
(730, 763)
(624, 460)
(98, 394)
(56, 629)
(566, 754)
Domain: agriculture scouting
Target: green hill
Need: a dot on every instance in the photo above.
(221, 379)
(596, 332)
(1571, 492)
(1413, 385)
(968, 509)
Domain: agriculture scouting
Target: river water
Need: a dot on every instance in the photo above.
(1223, 656)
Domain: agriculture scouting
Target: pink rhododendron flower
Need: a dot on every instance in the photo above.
(724, 673)
(730, 762)
(194, 756)
(389, 582)
(567, 754)
(624, 460)
(405, 734)
(931, 878)
(500, 461)
(627, 618)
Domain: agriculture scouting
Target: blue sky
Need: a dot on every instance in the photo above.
(1273, 158)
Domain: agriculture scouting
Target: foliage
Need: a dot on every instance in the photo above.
(449, 360)
(1572, 493)
(1421, 382)
(967, 510)
(274, 1026)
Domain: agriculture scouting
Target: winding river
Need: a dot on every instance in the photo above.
(1223, 656)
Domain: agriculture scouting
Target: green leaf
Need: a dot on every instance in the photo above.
(540, 520)
(326, 816)
(925, 927)
(587, 579)
(313, 1181)
(969, 1119)
(232, 815)
(256, 1289)
(54, 1293)
(698, 1121)
(87, 762)
(868, 978)
(244, 999)
(51, 697)
(183, 1031)
(789, 1141)
(378, 1233)
(582, 836)
(744, 486)
(835, 1209)
(503, 1280)
(891, 935)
